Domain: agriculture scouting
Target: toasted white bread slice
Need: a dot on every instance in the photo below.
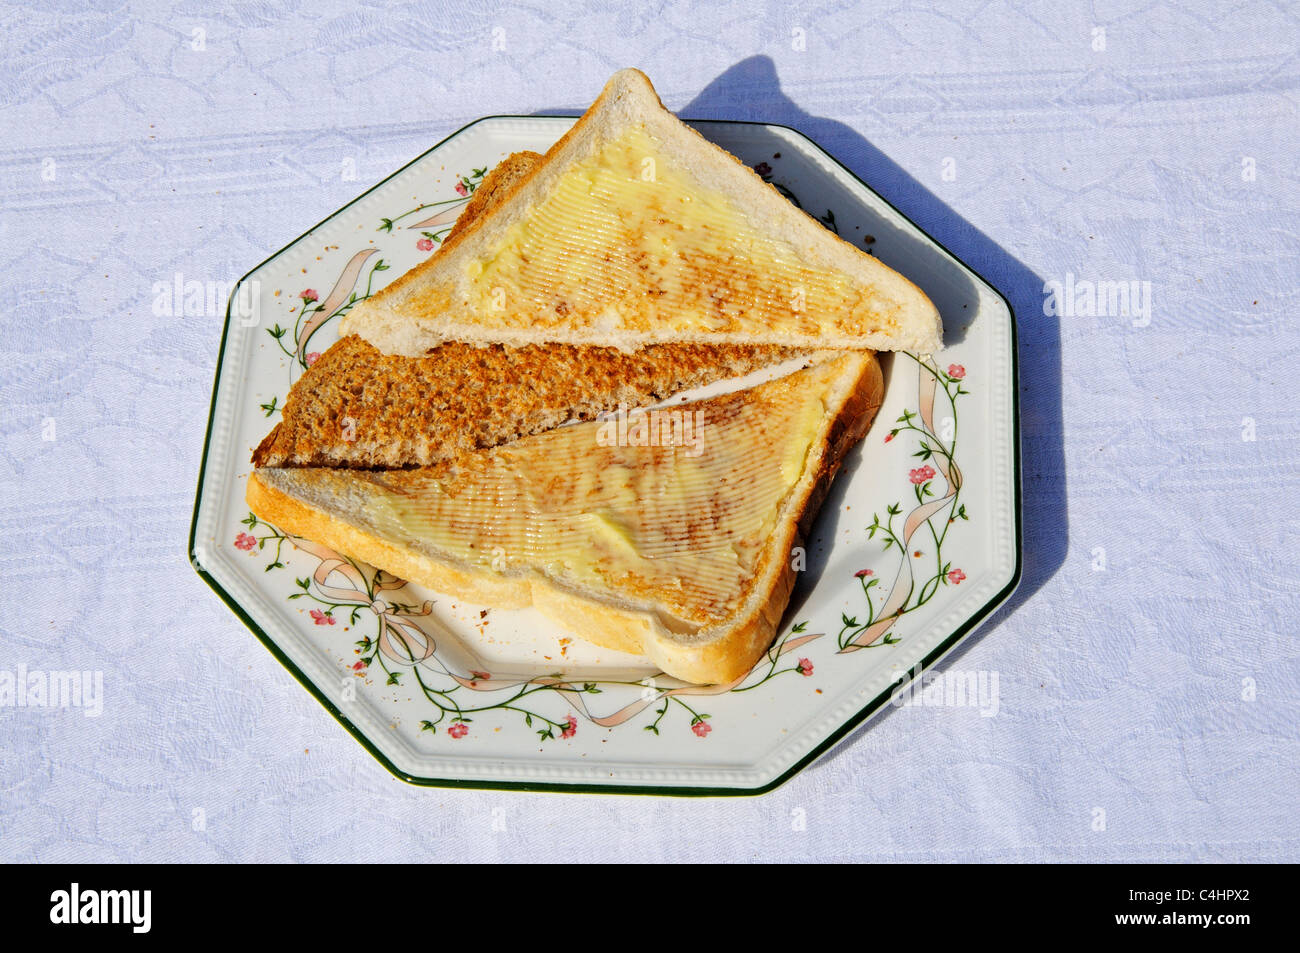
(669, 536)
(636, 230)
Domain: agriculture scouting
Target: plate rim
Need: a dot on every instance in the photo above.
(585, 787)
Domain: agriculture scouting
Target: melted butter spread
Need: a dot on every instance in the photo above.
(646, 523)
(627, 240)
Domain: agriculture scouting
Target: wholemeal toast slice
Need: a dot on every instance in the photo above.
(358, 407)
(635, 230)
(494, 187)
(667, 536)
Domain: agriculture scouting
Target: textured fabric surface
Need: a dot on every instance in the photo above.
(1148, 675)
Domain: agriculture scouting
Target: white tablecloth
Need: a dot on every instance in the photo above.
(1148, 709)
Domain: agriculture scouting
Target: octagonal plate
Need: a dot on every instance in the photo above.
(917, 543)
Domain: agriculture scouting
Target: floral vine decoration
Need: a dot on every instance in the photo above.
(914, 586)
(315, 312)
(434, 228)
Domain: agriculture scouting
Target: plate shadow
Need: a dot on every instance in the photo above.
(751, 90)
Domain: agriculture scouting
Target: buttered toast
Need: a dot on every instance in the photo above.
(681, 551)
(635, 230)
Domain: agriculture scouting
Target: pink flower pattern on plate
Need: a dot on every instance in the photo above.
(308, 294)
(702, 728)
(921, 474)
(956, 576)
(570, 727)
(956, 371)
(246, 542)
(805, 667)
(312, 358)
(862, 573)
(424, 244)
(322, 618)
(458, 730)
(461, 189)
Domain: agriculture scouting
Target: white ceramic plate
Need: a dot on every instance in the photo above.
(505, 699)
